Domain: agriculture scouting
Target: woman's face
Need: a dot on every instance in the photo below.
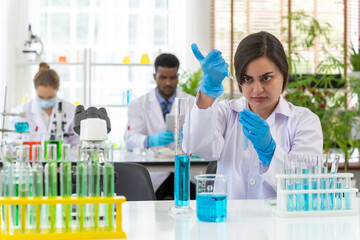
(46, 92)
(262, 86)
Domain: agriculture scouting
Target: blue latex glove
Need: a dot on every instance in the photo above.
(215, 70)
(161, 138)
(257, 130)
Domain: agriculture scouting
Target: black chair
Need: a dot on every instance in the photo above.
(211, 167)
(133, 181)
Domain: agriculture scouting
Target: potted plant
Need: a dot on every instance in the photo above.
(323, 93)
(189, 82)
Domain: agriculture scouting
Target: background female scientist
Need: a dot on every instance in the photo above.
(273, 126)
(40, 112)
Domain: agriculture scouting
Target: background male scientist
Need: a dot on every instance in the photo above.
(147, 119)
(147, 114)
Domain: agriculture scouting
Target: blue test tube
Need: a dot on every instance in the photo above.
(338, 195)
(289, 186)
(347, 194)
(182, 159)
(334, 168)
(288, 183)
(298, 187)
(314, 186)
(306, 187)
(323, 183)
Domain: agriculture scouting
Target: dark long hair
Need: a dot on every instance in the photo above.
(258, 45)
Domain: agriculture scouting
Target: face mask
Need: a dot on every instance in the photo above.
(46, 104)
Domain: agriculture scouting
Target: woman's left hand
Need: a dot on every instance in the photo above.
(257, 130)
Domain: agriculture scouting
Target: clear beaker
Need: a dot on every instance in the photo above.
(53, 138)
(211, 197)
(31, 139)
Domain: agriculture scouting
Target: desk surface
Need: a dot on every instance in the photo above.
(247, 219)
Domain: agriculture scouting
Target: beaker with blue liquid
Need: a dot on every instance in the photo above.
(211, 197)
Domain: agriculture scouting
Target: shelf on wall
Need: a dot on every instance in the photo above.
(50, 63)
(122, 64)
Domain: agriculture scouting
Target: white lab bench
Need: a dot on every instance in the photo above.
(247, 219)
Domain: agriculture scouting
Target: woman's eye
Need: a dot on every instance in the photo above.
(247, 79)
(266, 78)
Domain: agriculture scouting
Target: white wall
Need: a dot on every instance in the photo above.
(194, 27)
(16, 34)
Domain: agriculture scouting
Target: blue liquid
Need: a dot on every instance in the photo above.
(306, 196)
(347, 200)
(211, 207)
(331, 195)
(245, 142)
(182, 180)
(323, 195)
(298, 197)
(314, 186)
(338, 196)
(290, 198)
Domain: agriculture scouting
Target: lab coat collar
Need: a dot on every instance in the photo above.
(283, 108)
(161, 99)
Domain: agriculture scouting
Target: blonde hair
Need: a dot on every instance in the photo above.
(47, 77)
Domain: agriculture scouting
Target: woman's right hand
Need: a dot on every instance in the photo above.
(215, 70)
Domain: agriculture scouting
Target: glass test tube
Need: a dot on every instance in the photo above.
(182, 159)
(8, 188)
(108, 181)
(65, 185)
(338, 195)
(81, 189)
(332, 181)
(51, 183)
(323, 186)
(314, 185)
(94, 183)
(37, 184)
(298, 187)
(288, 184)
(23, 183)
(306, 187)
(347, 194)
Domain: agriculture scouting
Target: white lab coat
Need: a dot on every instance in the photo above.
(216, 134)
(35, 119)
(145, 118)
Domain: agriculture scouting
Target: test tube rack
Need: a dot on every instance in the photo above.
(291, 202)
(7, 233)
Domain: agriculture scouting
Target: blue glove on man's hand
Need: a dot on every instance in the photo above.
(257, 130)
(161, 138)
(215, 70)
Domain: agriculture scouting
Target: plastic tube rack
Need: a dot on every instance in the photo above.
(7, 233)
(315, 195)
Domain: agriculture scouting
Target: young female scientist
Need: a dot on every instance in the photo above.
(273, 126)
(40, 112)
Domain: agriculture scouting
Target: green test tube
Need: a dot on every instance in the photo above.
(8, 187)
(51, 182)
(65, 185)
(81, 189)
(37, 184)
(94, 184)
(23, 172)
(108, 181)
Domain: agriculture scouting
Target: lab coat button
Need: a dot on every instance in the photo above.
(252, 182)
